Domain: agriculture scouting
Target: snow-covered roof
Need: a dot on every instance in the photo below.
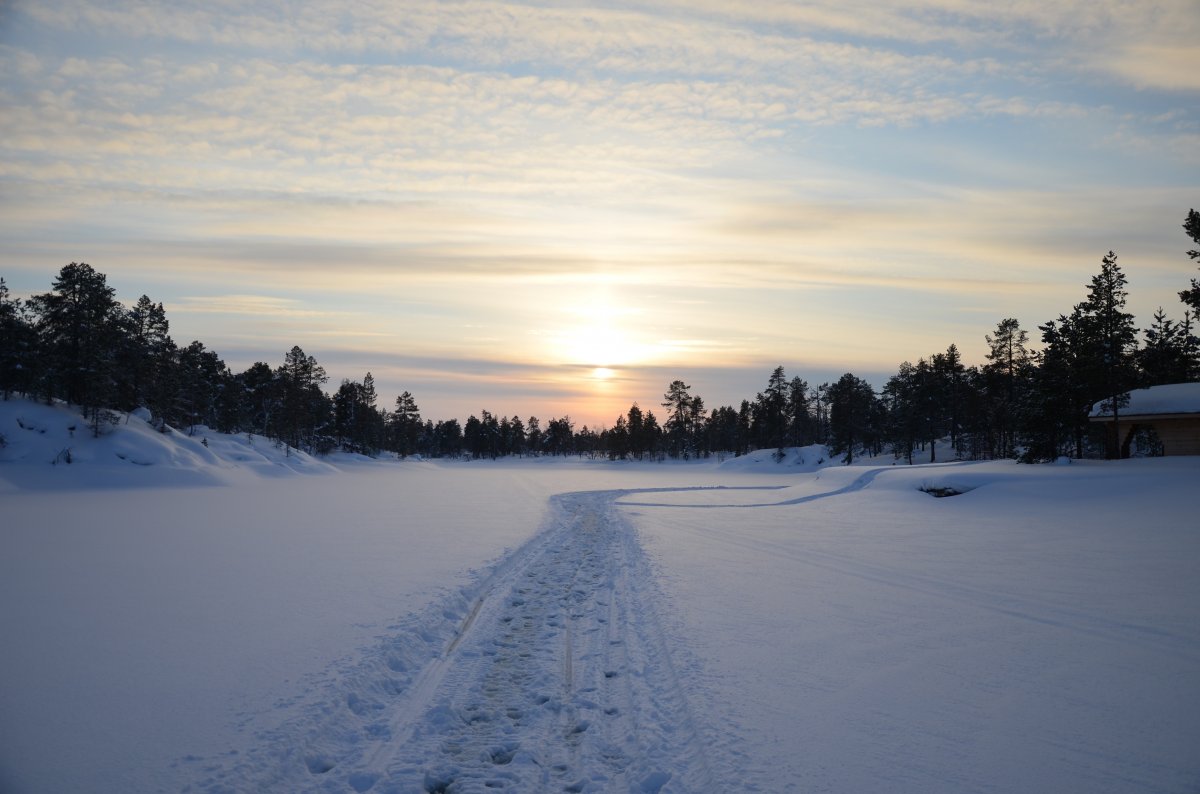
(1174, 398)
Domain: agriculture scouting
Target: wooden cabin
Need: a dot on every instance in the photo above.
(1172, 410)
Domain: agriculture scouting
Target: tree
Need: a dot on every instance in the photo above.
(1088, 357)
(772, 412)
(951, 380)
(616, 441)
(1171, 353)
(17, 351)
(1191, 297)
(514, 437)
(800, 420)
(1110, 339)
(144, 355)
(202, 377)
(304, 409)
(534, 438)
(1006, 379)
(404, 425)
(900, 399)
(682, 415)
(853, 416)
(635, 422)
(257, 391)
(560, 437)
(358, 424)
(78, 325)
(447, 439)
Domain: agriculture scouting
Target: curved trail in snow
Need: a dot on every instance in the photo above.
(860, 482)
(557, 676)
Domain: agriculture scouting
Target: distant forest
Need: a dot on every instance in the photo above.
(77, 343)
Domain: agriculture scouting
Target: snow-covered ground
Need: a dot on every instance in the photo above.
(191, 620)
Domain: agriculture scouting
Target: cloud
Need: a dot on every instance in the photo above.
(814, 175)
(256, 305)
(1144, 65)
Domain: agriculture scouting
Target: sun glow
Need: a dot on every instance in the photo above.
(598, 336)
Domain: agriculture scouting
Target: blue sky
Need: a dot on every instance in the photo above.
(485, 202)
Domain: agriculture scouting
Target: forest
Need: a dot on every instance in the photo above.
(77, 343)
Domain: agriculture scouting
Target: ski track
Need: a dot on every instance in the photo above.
(860, 482)
(557, 676)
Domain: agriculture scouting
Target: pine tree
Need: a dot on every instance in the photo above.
(560, 437)
(854, 415)
(636, 425)
(800, 421)
(951, 376)
(304, 410)
(79, 329)
(141, 358)
(680, 412)
(404, 425)
(1006, 380)
(257, 391)
(515, 440)
(202, 377)
(900, 399)
(1191, 297)
(616, 441)
(534, 438)
(772, 412)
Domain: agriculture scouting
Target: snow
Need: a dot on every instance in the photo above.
(1038, 632)
(235, 617)
(129, 453)
(1174, 398)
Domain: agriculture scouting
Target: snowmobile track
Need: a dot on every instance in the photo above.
(556, 675)
(562, 682)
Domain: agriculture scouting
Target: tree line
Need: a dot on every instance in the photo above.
(77, 343)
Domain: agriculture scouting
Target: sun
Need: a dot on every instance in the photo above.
(597, 336)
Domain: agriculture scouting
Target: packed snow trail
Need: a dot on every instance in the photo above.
(558, 677)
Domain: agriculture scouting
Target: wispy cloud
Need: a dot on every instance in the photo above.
(748, 180)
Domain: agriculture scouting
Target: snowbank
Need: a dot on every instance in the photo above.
(52, 447)
(793, 459)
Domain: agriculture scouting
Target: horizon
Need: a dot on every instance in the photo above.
(549, 210)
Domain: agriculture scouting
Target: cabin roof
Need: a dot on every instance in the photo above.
(1173, 399)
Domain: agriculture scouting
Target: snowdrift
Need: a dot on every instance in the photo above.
(52, 447)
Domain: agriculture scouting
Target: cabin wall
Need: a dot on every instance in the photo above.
(1178, 436)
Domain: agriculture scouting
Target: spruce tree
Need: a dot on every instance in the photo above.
(1110, 337)
(1191, 297)
(1170, 352)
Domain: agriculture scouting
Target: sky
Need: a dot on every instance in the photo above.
(557, 208)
